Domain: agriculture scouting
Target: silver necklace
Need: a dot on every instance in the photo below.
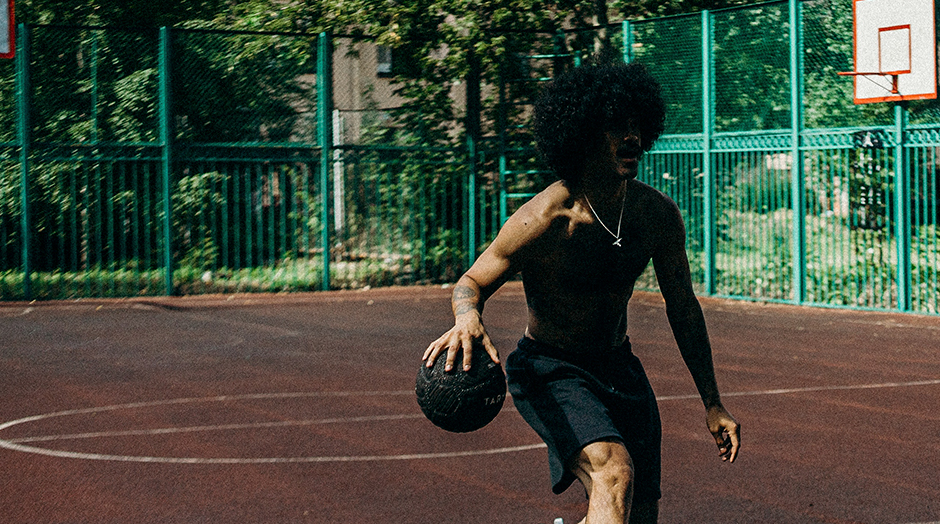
(616, 236)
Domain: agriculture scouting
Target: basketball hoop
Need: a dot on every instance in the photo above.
(894, 48)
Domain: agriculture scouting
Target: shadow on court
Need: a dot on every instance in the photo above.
(300, 409)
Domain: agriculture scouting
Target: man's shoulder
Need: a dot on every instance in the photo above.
(553, 201)
(653, 199)
(647, 191)
(556, 193)
(543, 213)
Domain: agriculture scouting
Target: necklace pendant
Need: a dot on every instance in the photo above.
(617, 243)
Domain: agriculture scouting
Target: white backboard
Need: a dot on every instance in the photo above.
(895, 50)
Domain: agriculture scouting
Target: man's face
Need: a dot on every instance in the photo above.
(622, 150)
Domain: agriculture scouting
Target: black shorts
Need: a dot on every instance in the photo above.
(572, 401)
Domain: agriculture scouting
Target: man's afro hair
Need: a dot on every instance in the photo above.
(580, 105)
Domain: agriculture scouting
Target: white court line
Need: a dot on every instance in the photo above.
(811, 390)
(16, 444)
(263, 460)
(221, 427)
(340, 420)
(194, 400)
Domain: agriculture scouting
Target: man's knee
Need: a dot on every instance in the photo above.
(607, 464)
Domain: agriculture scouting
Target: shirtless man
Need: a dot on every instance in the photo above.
(580, 246)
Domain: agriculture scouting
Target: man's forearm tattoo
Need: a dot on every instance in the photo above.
(461, 292)
(460, 309)
(462, 302)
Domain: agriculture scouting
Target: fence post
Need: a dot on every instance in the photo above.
(902, 219)
(502, 120)
(324, 134)
(472, 128)
(627, 32)
(708, 123)
(797, 182)
(166, 147)
(93, 66)
(23, 136)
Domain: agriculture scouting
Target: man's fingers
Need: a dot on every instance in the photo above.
(429, 352)
(735, 438)
(490, 348)
(435, 349)
(487, 346)
(729, 443)
(467, 353)
(724, 450)
(451, 357)
(452, 343)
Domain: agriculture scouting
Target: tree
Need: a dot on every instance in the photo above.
(117, 13)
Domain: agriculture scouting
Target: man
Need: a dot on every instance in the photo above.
(580, 246)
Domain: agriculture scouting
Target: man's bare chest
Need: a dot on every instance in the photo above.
(591, 260)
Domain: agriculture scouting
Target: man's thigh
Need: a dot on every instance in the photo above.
(645, 512)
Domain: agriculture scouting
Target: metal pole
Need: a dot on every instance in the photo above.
(94, 86)
(166, 145)
(627, 41)
(502, 122)
(902, 219)
(339, 205)
(473, 133)
(471, 201)
(708, 122)
(325, 132)
(23, 135)
(797, 182)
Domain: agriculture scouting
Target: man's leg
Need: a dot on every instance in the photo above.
(606, 471)
(645, 513)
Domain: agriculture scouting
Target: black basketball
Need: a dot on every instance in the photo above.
(461, 401)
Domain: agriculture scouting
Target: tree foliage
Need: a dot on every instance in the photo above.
(436, 42)
(117, 13)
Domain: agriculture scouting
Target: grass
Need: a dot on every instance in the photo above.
(843, 267)
(286, 276)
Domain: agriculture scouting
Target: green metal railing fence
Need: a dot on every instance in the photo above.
(785, 199)
(199, 161)
(189, 160)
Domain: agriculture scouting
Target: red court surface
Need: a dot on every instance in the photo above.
(300, 409)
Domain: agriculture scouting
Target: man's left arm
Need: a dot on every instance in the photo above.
(688, 325)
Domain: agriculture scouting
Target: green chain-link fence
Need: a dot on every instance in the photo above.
(89, 169)
(783, 198)
(191, 161)
(764, 153)
(399, 213)
(247, 192)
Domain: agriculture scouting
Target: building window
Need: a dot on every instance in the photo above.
(384, 59)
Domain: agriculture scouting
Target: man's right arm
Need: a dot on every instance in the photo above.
(467, 304)
(488, 273)
(497, 264)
